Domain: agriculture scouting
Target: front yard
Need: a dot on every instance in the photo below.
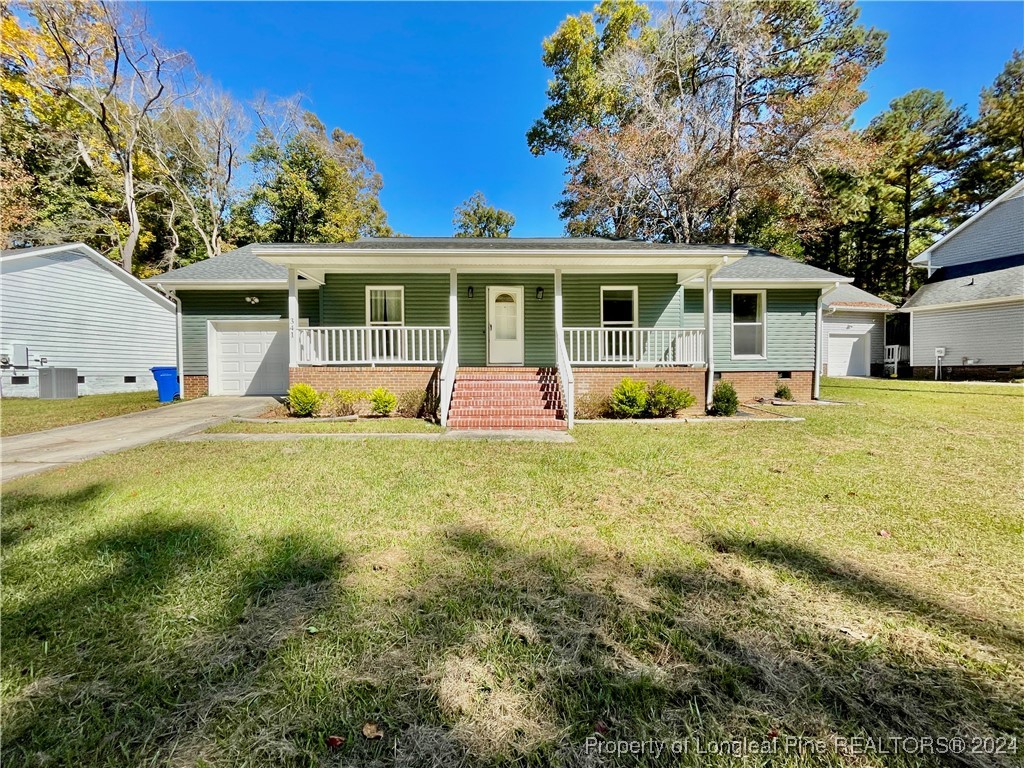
(19, 415)
(481, 603)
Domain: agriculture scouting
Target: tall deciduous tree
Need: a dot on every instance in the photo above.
(477, 218)
(673, 126)
(106, 64)
(310, 187)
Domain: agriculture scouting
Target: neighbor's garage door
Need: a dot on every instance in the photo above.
(849, 354)
(250, 358)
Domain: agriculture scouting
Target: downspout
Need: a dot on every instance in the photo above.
(173, 296)
(816, 393)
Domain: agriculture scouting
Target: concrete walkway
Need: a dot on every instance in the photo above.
(38, 451)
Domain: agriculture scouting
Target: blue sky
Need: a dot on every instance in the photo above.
(442, 94)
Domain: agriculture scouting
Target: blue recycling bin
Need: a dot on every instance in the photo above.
(166, 383)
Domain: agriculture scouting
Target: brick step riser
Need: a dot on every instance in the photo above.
(502, 386)
(511, 413)
(492, 424)
(462, 405)
(473, 394)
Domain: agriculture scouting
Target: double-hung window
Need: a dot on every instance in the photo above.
(748, 326)
(385, 314)
(618, 313)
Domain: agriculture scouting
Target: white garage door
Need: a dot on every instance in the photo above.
(849, 354)
(250, 358)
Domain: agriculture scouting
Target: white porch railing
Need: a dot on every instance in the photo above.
(568, 383)
(635, 346)
(896, 353)
(372, 345)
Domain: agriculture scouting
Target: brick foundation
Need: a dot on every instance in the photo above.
(971, 372)
(751, 385)
(196, 386)
(398, 379)
(600, 382)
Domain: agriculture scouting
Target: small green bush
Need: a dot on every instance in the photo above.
(344, 402)
(304, 401)
(411, 403)
(591, 406)
(382, 401)
(724, 400)
(782, 392)
(629, 399)
(664, 400)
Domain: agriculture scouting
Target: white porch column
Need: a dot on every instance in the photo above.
(558, 304)
(293, 318)
(453, 311)
(817, 349)
(709, 342)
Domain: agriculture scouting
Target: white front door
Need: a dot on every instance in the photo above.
(849, 354)
(249, 358)
(505, 325)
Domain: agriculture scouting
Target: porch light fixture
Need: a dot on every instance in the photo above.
(540, 294)
(253, 299)
(469, 292)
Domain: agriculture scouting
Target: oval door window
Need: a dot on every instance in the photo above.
(505, 320)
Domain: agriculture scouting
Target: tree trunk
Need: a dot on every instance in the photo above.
(908, 181)
(732, 202)
(134, 225)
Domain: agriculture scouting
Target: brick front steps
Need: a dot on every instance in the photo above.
(506, 398)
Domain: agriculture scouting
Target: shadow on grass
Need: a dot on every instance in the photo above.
(119, 676)
(22, 512)
(479, 652)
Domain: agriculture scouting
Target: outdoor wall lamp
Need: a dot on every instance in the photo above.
(253, 299)
(540, 294)
(469, 292)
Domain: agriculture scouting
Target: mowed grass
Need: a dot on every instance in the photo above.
(858, 574)
(367, 426)
(19, 415)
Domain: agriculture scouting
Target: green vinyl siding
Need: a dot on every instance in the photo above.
(197, 307)
(538, 319)
(426, 297)
(693, 316)
(790, 318)
(659, 297)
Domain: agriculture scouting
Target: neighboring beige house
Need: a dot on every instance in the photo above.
(967, 320)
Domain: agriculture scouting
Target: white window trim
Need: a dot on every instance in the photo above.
(636, 305)
(389, 324)
(763, 304)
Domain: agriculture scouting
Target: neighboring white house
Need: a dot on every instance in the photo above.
(67, 306)
(968, 318)
(853, 332)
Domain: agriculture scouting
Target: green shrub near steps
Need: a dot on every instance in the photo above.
(629, 399)
(382, 401)
(304, 401)
(664, 400)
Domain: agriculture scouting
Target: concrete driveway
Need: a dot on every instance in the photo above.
(38, 451)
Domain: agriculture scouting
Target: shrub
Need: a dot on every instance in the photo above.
(783, 392)
(382, 401)
(591, 406)
(343, 402)
(664, 400)
(724, 401)
(304, 401)
(411, 403)
(629, 399)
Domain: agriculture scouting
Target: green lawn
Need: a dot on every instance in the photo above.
(369, 426)
(859, 574)
(19, 415)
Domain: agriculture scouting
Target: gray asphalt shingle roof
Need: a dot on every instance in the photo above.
(241, 265)
(847, 295)
(1001, 278)
(763, 265)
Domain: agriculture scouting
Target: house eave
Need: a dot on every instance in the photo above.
(227, 285)
(965, 304)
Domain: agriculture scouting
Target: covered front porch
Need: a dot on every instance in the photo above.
(564, 317)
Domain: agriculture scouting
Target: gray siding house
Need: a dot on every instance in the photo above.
(473, 320)
(68, 306)
(967, 320)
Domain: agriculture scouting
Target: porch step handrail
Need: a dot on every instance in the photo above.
(567, 379)
(446, 379)
(635, 346)
(896, 353)
(372, 345)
